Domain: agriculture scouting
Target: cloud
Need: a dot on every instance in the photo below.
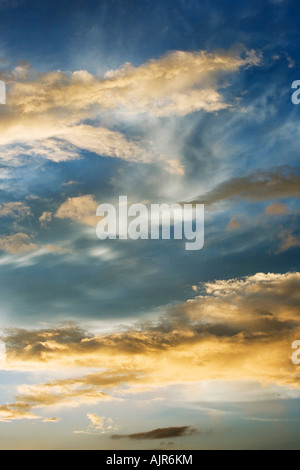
(106, 142)
(259, 186)
(237, 329)
(161, 433)
(15, 210)
(234, 224)
(81, 209)
(175, 168)
(45, 112)
(276, 209)
(268, 420)
(99, 425)
(23, 251)
(287, 241)
(70, 183)
(17, 243)
(17, 411)
(66, 143)
(45, 218)
(51, 420)
(178, 83)
(96, 421)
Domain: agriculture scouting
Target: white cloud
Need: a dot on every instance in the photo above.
(96, 421)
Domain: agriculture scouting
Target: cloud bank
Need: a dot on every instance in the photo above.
(238, 329)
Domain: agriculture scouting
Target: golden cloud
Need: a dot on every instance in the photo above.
(15, 210)
(45, 111)
(81, 209)
(17, 243)
(45, 218)
(276, 209)
(21, 244)
(178, 83)
(240, 329)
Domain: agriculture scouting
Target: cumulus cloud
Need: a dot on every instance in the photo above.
(81, 209)
(17, 243)
(45, 218)
(238, 329)
(99, 425)
(96, 421)
(15, 210)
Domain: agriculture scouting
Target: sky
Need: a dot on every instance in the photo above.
(141, 344)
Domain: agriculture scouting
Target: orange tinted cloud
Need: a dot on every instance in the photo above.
(45, 112)
(17, 243)
(287, 241)
(234, 224)
(240, 329)
(276, 209)
(81, 209)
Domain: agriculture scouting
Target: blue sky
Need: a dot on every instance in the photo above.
(163, 102)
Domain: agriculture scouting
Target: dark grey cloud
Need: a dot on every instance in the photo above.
(160, 433)
(260, 186)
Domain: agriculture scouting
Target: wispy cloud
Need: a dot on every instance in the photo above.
(45, 111)
(260, 186)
